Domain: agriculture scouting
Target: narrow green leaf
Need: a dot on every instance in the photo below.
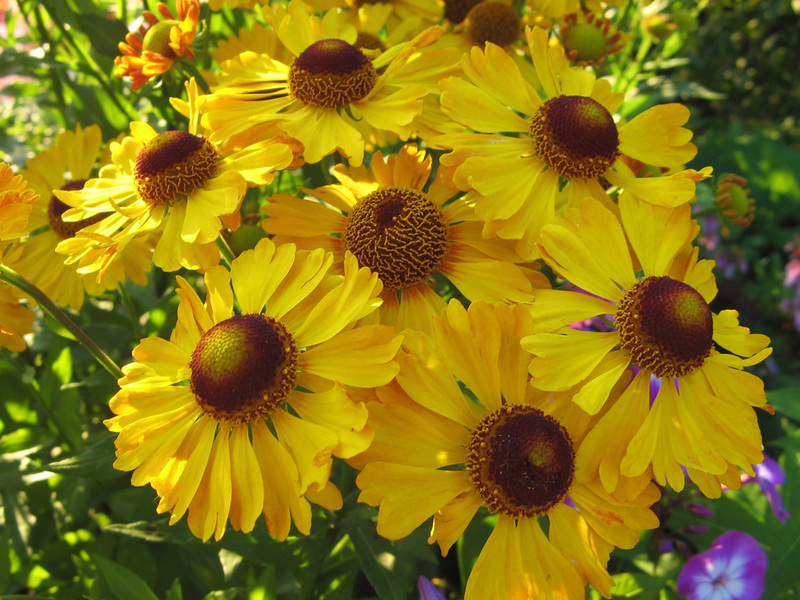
(123, 583)
(95, 463)
(369, 548)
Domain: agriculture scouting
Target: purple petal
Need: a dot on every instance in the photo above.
(732, 569)
(768, 475)
(428, 591)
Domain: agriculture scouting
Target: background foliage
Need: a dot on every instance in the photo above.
(73, 527)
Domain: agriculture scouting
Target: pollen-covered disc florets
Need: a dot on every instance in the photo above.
(399, 234)
(666, 325)
(576, 136)
(494, 22)
(520, 461)
(56, 208)
(331, 74)
(172, 164)
(243, 368)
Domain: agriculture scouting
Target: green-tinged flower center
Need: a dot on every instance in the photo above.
(243, 368)
(456, 11)
(666, 325)
(586, 40)
(734, 200)
(331, 74)
(173, 164)
(576, 136)
(56, 209)
(157, 38)
(520, 461)
(399, 234)
(493, 22)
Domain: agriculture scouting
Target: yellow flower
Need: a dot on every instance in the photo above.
(529, 157)
(406, 232)
(333, 97)
(15, 319)
(16, 203)
(176, 183)
(35, 257)
(441, 453)
(657, 296)
(203, 417)
(153, 50)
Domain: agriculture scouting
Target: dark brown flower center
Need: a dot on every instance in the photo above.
(369, 41)
(173, 164)
(520, 461)
(56, 209)
(399, 234)
(157, 38)
(494, 22)
(331, 74)
(243, 368)
(666, 325)
(456, 11)
(576, 136)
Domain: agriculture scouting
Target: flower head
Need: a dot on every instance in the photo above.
(203, 417)
(589, 39)
(461, 428)
(67, 165)
(657, 298)
(177, 184)
(332, 97)
(733, 568)
(16, 204)
(529, 157)
(155, 47)
(406, 230)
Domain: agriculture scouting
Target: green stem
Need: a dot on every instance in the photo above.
(127, 301)
(225, 250)
(50, 309)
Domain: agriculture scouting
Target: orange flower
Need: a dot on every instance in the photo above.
(152, 51)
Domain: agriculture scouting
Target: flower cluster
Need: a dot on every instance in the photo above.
(396, 313)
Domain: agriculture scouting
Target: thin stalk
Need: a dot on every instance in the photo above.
(50, 309)
(225, 250)
(127, 301)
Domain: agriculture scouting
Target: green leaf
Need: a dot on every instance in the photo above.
(637, 585)
(123, 583)
(95, 463)
(786, 401)
(370, 549)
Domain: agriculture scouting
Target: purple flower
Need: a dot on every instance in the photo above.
(428, 591)
(733, 568)
(769, 475)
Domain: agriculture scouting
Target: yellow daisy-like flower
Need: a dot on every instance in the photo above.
(495, 21)
(440, 453)
(177, 183)
(333, 97)
(153, 49)
(16, 204)
(657, 296)
(15, 319)
(66, 166)
(406, 231)
(203, 417)
(525, 150)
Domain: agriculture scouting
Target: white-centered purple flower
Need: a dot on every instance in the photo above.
(733, 568)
